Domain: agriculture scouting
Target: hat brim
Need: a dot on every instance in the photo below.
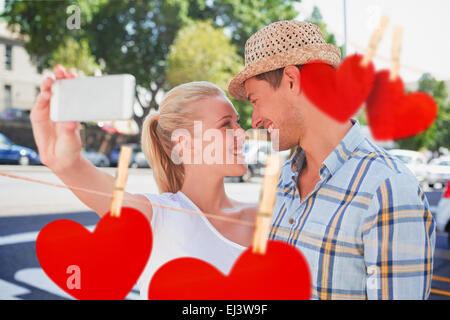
(324, 52)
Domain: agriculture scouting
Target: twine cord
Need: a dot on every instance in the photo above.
(109, 195)
(309, 235)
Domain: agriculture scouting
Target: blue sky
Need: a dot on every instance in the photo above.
(426, 31)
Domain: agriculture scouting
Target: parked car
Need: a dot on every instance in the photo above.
(14, 154)
(415, 161)
(438, 172)
(256, 152)
(443, 212)
(114, 154)
(96, 158)
(140, 161)
(15, 114)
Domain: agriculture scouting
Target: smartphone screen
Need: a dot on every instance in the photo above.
(93, 98)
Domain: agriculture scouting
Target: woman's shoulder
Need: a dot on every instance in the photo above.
(162, 204)
(167, 198)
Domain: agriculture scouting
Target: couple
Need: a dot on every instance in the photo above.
(355, 212)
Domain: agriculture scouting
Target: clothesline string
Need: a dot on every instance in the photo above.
(308, 235)
(402, 65)
(104, 194)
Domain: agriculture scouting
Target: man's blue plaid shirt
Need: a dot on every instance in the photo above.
(366, 229)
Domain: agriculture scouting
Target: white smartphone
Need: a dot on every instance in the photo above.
(93, 98)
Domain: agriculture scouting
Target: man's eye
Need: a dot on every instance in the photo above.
(226, 124)
(239, 121)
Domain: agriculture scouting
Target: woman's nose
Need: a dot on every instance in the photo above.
(240, 135)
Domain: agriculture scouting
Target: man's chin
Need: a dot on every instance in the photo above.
(281, 145)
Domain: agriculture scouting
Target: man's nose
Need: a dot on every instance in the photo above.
(256, 119)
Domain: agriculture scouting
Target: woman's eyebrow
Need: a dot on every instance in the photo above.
(227, 116)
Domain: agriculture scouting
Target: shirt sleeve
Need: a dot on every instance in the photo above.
(399, 238)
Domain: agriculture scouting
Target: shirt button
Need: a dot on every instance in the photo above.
(291, 221)
(372, 270)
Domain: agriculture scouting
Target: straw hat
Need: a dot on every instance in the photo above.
(281, 44)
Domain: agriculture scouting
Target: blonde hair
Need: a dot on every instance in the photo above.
(174, 113)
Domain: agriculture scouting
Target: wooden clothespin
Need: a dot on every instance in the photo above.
(121, 180)
(374, 40)
(396, 48)
(266, 204)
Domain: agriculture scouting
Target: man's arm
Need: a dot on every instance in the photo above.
(399, 238)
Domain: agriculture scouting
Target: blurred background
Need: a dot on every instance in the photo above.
(169, 42)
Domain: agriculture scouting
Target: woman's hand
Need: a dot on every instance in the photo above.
(59, 143)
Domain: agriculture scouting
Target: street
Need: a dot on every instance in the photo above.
(26, 207)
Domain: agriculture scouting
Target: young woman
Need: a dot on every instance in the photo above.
(188, 170)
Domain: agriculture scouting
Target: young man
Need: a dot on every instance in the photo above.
(357, 214)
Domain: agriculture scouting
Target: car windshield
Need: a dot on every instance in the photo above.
(440, 162)
(405, 159)
(4, 140)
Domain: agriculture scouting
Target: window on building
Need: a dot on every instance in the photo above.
(8, 57)
(8, 96)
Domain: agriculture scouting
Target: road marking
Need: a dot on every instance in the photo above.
(37, 278)
(26, 237)
(133, 296)
(10, 291)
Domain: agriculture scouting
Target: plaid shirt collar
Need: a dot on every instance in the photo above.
(335, 159)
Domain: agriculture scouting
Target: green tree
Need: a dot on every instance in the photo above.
(75, 55)
(242, 18)
(438, 134)
(42, 24)
(317, 19)
(201, 52)
(135, 36)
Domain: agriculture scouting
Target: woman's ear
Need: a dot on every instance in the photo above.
(181, 152)
(181, 145)
(291, 75)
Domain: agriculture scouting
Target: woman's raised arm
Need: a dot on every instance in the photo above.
(59, 146)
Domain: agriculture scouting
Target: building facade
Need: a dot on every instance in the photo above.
(19, 78)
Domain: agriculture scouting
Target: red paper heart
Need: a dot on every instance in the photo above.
(393, 114)
(282, 273)
(105, 264)
(338, 93)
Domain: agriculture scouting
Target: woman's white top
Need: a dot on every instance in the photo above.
(177, 234)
